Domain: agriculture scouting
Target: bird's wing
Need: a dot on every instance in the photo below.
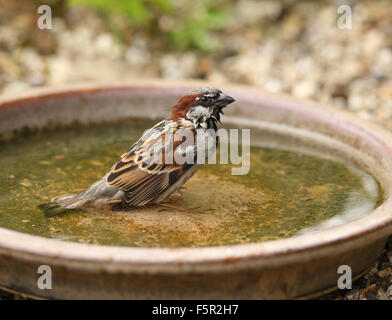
(142, 172)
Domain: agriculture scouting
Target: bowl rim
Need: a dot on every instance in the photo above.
(375, 225)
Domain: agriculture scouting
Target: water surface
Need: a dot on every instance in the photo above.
(285, 193)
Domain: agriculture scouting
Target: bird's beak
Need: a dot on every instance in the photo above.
(224, 100)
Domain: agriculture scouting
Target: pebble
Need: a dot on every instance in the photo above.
(389, 291)
(16, 86)
(26, 183)
(385, 273)
(381, 295)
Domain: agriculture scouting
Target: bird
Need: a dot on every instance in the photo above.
(144, 174)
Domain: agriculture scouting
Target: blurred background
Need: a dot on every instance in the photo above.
(289, 46)
(293, 47)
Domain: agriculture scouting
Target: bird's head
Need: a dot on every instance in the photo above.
(202, 107)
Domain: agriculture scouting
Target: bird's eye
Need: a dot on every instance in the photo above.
(203, 98)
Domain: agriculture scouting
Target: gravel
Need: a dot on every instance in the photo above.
(294, 48)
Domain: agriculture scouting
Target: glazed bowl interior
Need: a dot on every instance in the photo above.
(283, 122)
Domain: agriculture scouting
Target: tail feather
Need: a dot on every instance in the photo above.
(76, 202)
(54, 209)
(97, 192)
(60, 199)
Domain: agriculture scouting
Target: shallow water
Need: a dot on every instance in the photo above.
(285, 193)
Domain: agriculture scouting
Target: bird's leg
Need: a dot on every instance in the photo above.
(120, 207)
(176, 195)
(176, 207)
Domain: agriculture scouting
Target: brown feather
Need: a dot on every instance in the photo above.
(183, 105)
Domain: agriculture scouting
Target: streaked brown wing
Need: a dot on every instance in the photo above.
(141, 173)
(150, 187)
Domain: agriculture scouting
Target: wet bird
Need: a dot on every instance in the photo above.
(145, 173)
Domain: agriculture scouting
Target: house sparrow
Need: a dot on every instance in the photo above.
(143, 174)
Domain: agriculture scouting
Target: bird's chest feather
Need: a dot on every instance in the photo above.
(201, 140)
(199, 116)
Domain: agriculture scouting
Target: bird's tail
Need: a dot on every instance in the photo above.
(74, 201)
(98, 192)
